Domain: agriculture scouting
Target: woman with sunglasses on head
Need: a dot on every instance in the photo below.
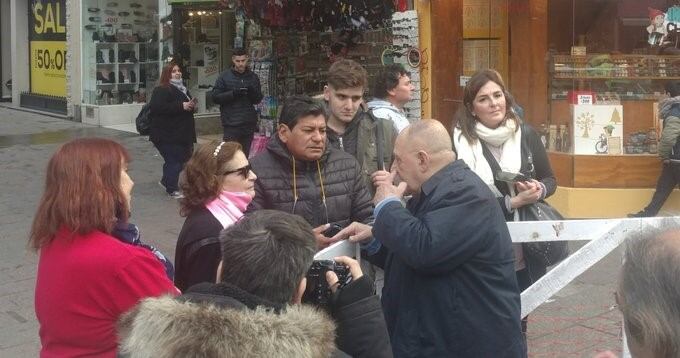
(218, 186)
(88, 275)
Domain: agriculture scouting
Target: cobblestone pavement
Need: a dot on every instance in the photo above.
(578, 322)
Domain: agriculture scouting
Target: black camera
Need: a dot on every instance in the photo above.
(317, 292)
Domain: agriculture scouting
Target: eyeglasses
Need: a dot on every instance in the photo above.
(243, 171)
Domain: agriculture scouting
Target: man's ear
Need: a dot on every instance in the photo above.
(326, 93)
(219, 273)
(284, 133)
(423, 159)
(297, 296)
(392, 92)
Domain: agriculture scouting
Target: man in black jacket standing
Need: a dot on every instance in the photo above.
(237, 91)
(254, 310)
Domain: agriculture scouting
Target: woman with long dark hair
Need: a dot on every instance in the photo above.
(218, 187)
(489, 134)
(173, 129)
(87, 277)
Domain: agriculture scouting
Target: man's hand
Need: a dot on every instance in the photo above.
(321, 240)
(354, 269)
(385, 187)
(355, 232)
(188, 106)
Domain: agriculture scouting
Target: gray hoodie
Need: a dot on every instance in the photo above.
(386, 110)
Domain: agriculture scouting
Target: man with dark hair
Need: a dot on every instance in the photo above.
(352, 129)
(254, 310)
(392, 89)
(301, 174)
(669, 151)
(237, 90)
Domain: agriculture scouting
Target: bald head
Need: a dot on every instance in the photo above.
(428, 135)
(421, 150)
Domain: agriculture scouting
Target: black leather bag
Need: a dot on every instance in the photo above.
(143, 121)
(547, 253)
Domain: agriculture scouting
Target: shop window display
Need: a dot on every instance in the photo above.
(120, 51)
(608, 63)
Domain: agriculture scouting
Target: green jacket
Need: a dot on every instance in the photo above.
(360, 140)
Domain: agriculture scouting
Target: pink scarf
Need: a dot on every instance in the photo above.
(228, 207)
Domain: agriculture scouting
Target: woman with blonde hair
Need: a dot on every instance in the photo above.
(218, 186)
(87, 277)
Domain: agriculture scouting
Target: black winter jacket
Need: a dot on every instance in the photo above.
(347, 197)
(170, 123)
(197, 253)
(237, 110)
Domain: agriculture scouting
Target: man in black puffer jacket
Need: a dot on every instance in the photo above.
(301, 174)
(237, 90)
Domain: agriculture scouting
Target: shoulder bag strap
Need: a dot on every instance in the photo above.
(380, 140)
(197, 245)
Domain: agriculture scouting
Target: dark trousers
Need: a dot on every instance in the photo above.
(174, 155)
(523, 282)
(668, 180)
(243, 135)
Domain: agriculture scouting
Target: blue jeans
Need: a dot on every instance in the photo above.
(174, 155)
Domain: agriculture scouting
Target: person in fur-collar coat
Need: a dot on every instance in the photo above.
(255, 310)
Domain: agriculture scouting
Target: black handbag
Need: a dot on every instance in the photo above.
(547, 253)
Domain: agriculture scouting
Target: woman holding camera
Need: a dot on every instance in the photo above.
(490, 137)
(173, 130)
(87, 276)
(218, 187)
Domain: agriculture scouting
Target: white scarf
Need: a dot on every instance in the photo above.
(504, 136)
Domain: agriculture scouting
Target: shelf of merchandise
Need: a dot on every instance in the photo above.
(637, 80)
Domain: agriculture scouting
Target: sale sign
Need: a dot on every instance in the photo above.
(47, 47)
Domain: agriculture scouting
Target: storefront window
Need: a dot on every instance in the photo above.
(202, 44)
(120, 50)
(608, 62)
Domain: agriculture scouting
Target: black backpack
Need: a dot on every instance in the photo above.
(143, 121)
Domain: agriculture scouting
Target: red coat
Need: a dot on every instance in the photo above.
(84, 284)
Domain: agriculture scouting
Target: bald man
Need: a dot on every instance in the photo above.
(450, 288)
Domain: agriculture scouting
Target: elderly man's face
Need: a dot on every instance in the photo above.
(407, 164)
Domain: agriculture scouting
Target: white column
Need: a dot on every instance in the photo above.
(74, 65)
(19, 45)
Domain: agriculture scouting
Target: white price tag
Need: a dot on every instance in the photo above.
(584, 99)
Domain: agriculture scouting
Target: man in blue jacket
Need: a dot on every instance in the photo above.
(450, 287)
(237, 91)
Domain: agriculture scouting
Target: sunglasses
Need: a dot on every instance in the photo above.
(243, 171)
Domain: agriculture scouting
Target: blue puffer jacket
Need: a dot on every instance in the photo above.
(237, 110)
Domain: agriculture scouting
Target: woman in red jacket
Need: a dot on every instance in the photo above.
(87, 277)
